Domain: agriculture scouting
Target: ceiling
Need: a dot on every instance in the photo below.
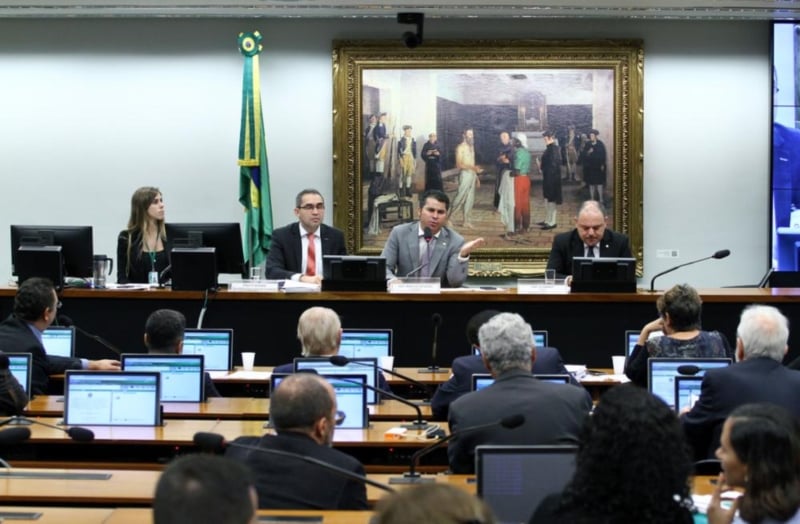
(660, 9)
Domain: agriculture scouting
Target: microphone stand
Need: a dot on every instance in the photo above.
(67, 322)
(433, 368)
(417, 424)
(719, 254)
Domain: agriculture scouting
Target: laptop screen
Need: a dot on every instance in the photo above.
(351, 397)
(687, 391)
(631, 338)
(513, 480)
(111, 398)
(215, 345)
(181, 375)
(19, 364)
(359, 366)
(661, 373)
(365, 343)
(59, 341)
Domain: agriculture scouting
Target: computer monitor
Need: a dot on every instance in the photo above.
(358, 343)
(216, 345)
(604, 275)
(182, 376)
(661, 373)
(225, 237)
(353, 273)
(76, 244)
(19, 364)
(351, 397)
(59, 341)
(632, 338)
(513, 480)
(111, 398)
(356, 366)
(687, 391)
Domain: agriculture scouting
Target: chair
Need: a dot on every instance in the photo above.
(707, 467)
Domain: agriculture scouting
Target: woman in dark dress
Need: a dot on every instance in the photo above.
(142, 250)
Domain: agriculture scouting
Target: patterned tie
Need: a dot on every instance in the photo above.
(311, 257)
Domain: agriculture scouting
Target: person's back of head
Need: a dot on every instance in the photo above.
(32, 298)
(763, 331)
(506, 343)
(319, 331)
(432, 504)
(205, 489)
(475, 322)
(299, 402)
(683, 305)
(163, 331)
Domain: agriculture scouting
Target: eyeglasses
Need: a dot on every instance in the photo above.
(312, 207)
(340, 416)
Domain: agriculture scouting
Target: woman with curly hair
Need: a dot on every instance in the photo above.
(760, 452)
(632, 465)
(142, 250)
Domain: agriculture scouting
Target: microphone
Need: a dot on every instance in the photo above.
(341, 360)
(427, 235)
(67, 322)
(412, 477)
(76, 433)
(689, 369)
(722, 253)
(11, 436)
(216, 443)
(416, 269)
(417, 424)
(436, 319)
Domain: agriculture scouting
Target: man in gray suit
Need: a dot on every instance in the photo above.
(554, 413)
(427, 248)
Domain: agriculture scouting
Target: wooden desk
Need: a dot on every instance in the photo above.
(145, 516)
(54, 515)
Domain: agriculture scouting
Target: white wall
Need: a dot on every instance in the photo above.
(91, 109)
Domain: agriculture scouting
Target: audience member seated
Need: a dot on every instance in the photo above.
(13, 397)
(757, 376)
(319, 331)
(163, 335)
(548, 361)
(679, 319)
(303, 412)
(205, 489)
(632, 465)
(433, 504)
(760, 453)
(35, 307)
(554, 413)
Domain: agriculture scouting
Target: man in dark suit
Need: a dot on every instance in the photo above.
(442, 254)
(548, 362)
(590, 238)
(35, 307)
(757, 376)
(303, 411)
(291, 245)
(554, 413)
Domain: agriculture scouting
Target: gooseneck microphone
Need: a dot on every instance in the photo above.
(436, 320)
(341, 360)
(11, 436)
(689, 369)
(216, 443)
(76, 433)
(412, 477)
(64, 320)
(417, 424)
(722, 253)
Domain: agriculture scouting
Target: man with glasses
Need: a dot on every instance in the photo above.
(35, 308)
(297, 249)
(304, 414)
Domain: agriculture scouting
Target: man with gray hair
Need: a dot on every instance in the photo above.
(554, 413)
(757, 376)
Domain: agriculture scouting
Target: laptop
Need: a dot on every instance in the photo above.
(366, 343)
(687, 391)
(111, 398)
(358, 366)
(540, 339)
(19, 364)
(661, 373)
(59, 341)
(351, 397)
(182, 376)
(216, 345)
(513, 480)
(482, 380)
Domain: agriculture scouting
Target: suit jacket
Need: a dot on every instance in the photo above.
(554, 414)
(13, 397)
(285, 256)
(548, 362)
(289, 483)
(568, 245)
(402, 255)
(752, 380)
(17, 337)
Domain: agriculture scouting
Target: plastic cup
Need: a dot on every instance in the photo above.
(619, 364)
(248, 358)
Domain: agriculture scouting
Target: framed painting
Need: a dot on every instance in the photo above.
(456, 115)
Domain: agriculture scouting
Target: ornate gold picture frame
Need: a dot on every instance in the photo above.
(577, 90)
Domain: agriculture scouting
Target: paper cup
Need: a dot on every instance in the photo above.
(386, 363)
(248, 358)
(619, 364)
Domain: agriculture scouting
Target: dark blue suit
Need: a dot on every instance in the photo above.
(286, 250)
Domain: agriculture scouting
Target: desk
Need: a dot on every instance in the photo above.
(54, 515)
(144, 516)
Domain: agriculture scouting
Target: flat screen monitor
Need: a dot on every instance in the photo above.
(19, 364)
(59, 341)
(76, 244)
(661, 373)
(182, 376)
(111, 398)
(687, 391)
(604, 275)
(357, 343)
(358, 366)
(351, 397)
(224, 237)
(632, 338)
(353, 273)
(216, 346)
(513, 480)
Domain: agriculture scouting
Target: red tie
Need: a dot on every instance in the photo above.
(311, 257)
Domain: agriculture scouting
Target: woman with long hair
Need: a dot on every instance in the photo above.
(142, 250)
